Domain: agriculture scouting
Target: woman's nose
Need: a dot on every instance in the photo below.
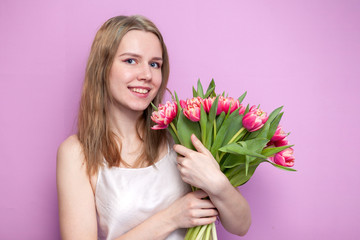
(145, 72)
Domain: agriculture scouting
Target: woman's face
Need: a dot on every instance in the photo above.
(135, 76)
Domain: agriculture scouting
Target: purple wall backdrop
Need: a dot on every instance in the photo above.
(302, 54)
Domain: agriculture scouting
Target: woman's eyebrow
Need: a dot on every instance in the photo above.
(139, 56)
(130, 54)
(157, 58)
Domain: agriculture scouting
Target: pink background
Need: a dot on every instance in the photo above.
(303, 54)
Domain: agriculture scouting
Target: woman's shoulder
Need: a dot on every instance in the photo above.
(70, 152)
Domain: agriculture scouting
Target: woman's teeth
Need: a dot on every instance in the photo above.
(139, 90)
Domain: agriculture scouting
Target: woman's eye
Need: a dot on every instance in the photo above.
(155, 65)
(130, 61)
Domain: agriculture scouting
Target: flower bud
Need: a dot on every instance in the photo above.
(254, 119)
(278, 135)
(284, 158)
(164, 115)
(192, 112)
(192, 108)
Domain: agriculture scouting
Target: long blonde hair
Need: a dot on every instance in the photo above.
(94, 133)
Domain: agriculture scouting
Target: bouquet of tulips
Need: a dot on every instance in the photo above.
(239, 137)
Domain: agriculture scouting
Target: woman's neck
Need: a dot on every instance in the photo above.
(123, 123)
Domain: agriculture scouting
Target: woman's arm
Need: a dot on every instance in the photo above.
(189, 211)
(201, 170)
(77, 210)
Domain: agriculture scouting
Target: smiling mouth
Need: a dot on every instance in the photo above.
(140, 90)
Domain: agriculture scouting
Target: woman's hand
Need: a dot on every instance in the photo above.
(192, 210)
(199, 168)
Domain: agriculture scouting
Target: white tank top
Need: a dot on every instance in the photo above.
(125, 197)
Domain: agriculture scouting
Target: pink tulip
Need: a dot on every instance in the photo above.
(284, 158)
(241, 109)
(254, 119)
(192, 108)
(223, 104)
(192, 112)
(282, 142)
(226, 103)
(207, 103)
(278, 135)
(164, 115)
(197, 101)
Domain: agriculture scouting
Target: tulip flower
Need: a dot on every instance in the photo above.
(284, 158)
(192, 108)
(207, 103)
(193, 101)
(282, 142)
(254, 119)
(164, 115)
(226, 103)
(223, 104)
(241, 109)
(192, 112)
(278, 135)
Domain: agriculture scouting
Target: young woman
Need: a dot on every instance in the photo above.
(117, 178)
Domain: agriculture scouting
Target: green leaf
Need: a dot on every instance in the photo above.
(220, 120)
(273, 126)
(241, 98)
(213, 109)
(221, 134)
(236, 148)
(185, 128)
(200, 90)
(176, 140)
(247, 109)
(234, 127)
(195, 94)
(209, 135)
(233, 160)
(263, 132)
(247, 162)
(178, 104)
(210, 122)
(237, 176)
(281, 167)
(271, 151)
(274, 113)
(210, 90)
(203, 121)
(154, 107)
(210, 93)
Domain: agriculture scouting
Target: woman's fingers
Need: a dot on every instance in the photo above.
(198, 144)
(186, 152)
(200, 194)
(205, 213)
(181, 150)
(203, 221)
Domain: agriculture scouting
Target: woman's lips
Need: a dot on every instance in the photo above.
(142, 92)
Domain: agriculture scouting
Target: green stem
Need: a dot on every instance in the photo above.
(208, 231)
(236, 135)
(214, 130)
(201, 232)
(175, 131)
(214, 235)
(221, 156)
(192, 233)
(233, 139)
